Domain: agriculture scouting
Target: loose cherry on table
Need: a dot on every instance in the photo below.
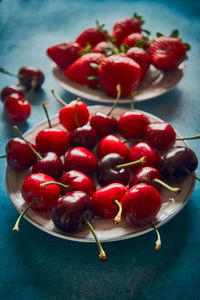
(11, 89)
(72, 115)
(39, 198)
(80, 159)
(140, 205)
(112, 144)
(106, 201)
(108, 173)
(151, 176)
(73, 211)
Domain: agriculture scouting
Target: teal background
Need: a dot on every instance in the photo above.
(35, 265)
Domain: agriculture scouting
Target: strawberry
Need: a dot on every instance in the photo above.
(132, 39)
(167, 52)
(83, 70)
(106, 48)
(116, 69)
(141, 57)
(64, 54)
(92, 36)
(126, 26)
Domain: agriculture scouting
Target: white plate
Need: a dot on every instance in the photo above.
(155, 84)
(105, 228)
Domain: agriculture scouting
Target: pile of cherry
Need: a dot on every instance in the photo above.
(98, 58)
(63, 160)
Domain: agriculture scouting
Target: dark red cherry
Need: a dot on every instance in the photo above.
(108, 173)
(52, 139)
(140, 204)
(77, 181)
(112, 144)
(19, 155)
(160, 135)
(103, 124)
(132, 124)
(177, 162)
(17, 108)
(50, 164)
(28, 74)
(143, 150)
(11, 89)
(146, 175)
(80, 159)
(85, 136)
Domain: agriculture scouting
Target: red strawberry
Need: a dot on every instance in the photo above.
(106, 48)
(126, 26)
(82, 70)
(117, 69)
(64, 54)
(141, 57)
(167, 52)
(132, 38)
(92, 36)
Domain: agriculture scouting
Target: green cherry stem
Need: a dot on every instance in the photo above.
(56, 183)
(32, 89)
(75, 112)
(2, 70)
(191, 174)
(175, 190)
(117, 218)
(189, 138)
(129, 164)
(102, 254)
(44, 105)
(16, 227)
(158, 241)
(118, 87)
(58, 98)
(3, 156)
(27, 143)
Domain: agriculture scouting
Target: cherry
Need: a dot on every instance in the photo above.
(151, 176)
(106, 201)
(17, 108)
(85, 136)
(108, 173)
(80, 159)
(78, 181)
(132, 124)
(74, 114)
(10, 89)
(177, 162)
(143, 150)
(160, 135)
(72, 212)
(140, 204)
(105, 123)
(112, 144)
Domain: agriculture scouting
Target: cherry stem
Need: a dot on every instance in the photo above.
(175, 190)
(44, 105)
(117, 218)
(2, 70)
(158, 241)
(190, 173)
(16, 227)
(27, 143)
(129, 164)
(118, 87)
(132, 100)
(75, 112)
(58, 98)
(3, 156)
(189, 138)
(55, 182)
(102, 254)
(32, 89)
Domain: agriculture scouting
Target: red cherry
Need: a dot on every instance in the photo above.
(46, 197)
(112, 144)
(19, 155)
(160, 135)
(85, 136)
(141, 204)
(17, 108)
(52, 139)
(28, 74)
(143, 150)
(10, 89)
(81, 159)
(103, 200)
(78, 181)
(132, 124)
(103, 124)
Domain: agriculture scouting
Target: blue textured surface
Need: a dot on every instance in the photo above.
(35, 265)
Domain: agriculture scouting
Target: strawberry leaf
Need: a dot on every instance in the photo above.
(187, 46)
(158, 34)
(139, 18)
(175, 33)
(94, 66)
(92, 77)
(124, 48)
